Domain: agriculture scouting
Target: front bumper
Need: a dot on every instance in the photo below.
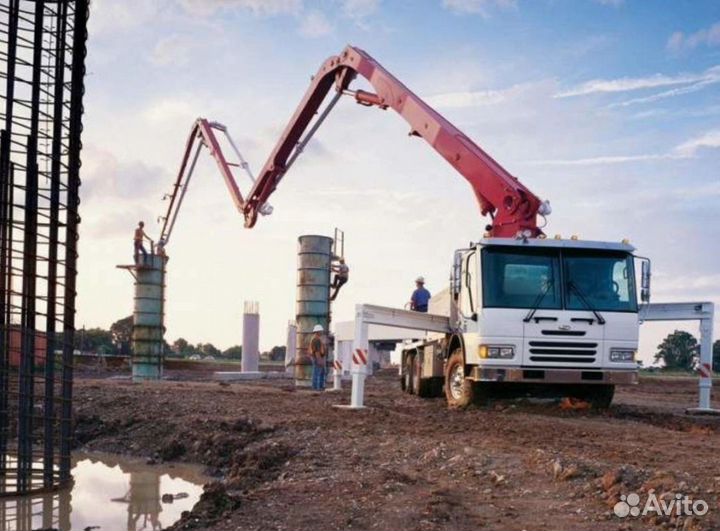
(554, 376)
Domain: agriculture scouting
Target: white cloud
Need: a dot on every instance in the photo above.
(683, 112)
(711, 140)
(467, 98)
(613, 3)
(675, 42)
(592, 161)
(685, 83)
(359, 9)
(478, 7)
(173, 50)
(107, 177)
(168, 110)
(679, 41)
(315, 24)
(626, 84)
(684, 285)
(257, 7)
(687, 150)
(109, 16)
(689, 89)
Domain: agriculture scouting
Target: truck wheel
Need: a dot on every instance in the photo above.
(601, 396)
(458, 389)
(408, 374)
(422, 386)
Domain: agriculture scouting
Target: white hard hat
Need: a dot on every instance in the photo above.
(420, 279)
(317, 328)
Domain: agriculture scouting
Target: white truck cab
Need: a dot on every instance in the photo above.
(546, 316)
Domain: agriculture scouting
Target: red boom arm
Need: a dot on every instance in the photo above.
(511, 205)
(203, 134)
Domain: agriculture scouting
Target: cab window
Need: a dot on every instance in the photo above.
(518, 278)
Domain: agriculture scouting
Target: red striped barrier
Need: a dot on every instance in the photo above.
(705, 370)
(337, 365)
(360, 357)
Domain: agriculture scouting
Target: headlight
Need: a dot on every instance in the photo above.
(622, 355)
(502, 352)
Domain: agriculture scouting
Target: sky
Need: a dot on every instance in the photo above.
(610, 109)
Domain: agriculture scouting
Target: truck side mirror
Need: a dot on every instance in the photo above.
(645, 281)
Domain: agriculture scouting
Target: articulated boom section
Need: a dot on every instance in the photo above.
(203, 133)
(511, 205)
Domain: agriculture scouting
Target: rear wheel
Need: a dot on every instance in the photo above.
(424, 387)
(458, 389)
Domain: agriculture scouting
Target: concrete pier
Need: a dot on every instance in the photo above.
(290, 348)
(148, 318)
(251, 338)
(313, 298)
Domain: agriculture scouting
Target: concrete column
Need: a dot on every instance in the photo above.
(313, 299)
(148, 317)
(251, 338)
(290, 348)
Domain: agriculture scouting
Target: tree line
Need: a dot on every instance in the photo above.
(681, 351)
(117, 340)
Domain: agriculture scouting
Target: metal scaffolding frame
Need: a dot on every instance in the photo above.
(42, 67)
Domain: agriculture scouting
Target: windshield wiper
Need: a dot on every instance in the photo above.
(573, 287)
(538, 301)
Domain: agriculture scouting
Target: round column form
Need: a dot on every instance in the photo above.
(313, 299)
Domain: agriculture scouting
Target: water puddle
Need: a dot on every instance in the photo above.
(110, 493)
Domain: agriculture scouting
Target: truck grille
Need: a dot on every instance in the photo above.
(563, 351)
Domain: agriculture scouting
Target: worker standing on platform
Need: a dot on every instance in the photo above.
(318, 353)
(342, 273)
(138, 239)
(420, 297)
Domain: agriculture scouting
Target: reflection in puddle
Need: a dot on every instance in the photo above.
(109, 493)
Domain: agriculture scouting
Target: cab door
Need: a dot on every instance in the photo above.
(469, 304)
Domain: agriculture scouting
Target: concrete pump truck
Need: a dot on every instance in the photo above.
(522, 312)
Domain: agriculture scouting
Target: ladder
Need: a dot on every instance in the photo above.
(338, 248)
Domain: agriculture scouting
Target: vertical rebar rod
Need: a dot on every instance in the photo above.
(5, 246)
(73, 219)
(29, 270)
(55, 177)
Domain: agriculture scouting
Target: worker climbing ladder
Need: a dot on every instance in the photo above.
(338, 252)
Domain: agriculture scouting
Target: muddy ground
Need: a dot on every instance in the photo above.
(286, 459)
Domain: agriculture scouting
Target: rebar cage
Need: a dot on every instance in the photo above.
(42, 67)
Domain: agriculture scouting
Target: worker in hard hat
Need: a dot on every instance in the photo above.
(318, 355)
(138, 240)
(342, 273)
(420, 297)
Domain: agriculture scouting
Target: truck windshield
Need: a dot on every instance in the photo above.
(518, 278)
(514, 277)
(605, 280)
